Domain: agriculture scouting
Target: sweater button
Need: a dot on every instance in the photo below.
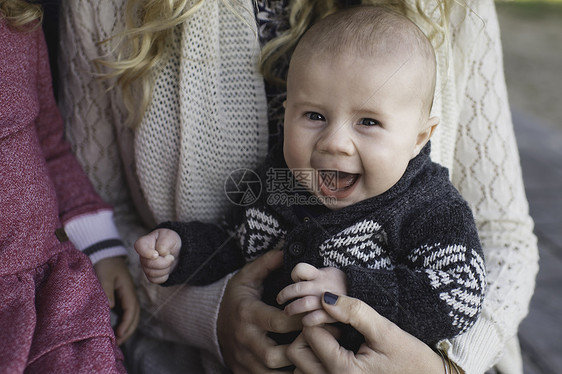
(296, 249)
(306, 219)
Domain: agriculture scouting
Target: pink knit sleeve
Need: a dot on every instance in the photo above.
(74, 192)
(87, 218)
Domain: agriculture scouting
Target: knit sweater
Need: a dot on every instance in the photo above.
(474, 140)
(39, 172)
(412, 253)
(29, 104)
(51, 298)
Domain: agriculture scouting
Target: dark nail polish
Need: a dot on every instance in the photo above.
(330, 298)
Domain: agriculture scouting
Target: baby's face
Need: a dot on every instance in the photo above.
(356, 124)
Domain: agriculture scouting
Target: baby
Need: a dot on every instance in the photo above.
(376, 219)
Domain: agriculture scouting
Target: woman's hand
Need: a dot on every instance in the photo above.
(387, 348)
(244, 321)
(116, 280)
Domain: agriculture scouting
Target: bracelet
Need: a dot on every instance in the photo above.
(445, 361)
(455, 366)
(448, 365)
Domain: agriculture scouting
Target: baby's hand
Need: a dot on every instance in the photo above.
(310, 284)
(158, 253)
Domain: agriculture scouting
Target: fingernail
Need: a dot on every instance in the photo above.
(330, 298)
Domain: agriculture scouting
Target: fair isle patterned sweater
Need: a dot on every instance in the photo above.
(412, 252)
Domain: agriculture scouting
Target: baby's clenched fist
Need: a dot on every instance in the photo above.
(158, 253)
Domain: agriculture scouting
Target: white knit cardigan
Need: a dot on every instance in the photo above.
(207, 119)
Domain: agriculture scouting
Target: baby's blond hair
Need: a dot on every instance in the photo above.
(371, 33)
(304, 13)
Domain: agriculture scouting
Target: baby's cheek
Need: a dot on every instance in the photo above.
(293, 157)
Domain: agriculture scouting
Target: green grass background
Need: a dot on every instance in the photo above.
(532, 8)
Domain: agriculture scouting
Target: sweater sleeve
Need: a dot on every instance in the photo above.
(207, 254)
(92, 121)
(436, 288)
(488, 174)
(86, 217)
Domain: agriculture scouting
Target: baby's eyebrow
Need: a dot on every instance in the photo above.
(304, 102)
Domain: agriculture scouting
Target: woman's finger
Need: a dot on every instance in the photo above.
(302, 356)
(244, 320)
(317, 317)
(254, 273)
(387, 348)
(272, 319)
(257, 353)
(356, 313)
(327, 349)
(249, 364)
(270, 355)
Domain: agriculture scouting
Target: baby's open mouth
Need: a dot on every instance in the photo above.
(335, 180)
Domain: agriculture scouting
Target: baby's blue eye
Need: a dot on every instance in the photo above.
(313, 116)
(369, 122)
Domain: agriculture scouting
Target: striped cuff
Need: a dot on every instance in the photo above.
(95, 234)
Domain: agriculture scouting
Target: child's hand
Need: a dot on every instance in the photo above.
(117, 283)
(310, 284)
(158, 253)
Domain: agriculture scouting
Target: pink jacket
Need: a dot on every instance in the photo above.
(54, 315)
(41, 183)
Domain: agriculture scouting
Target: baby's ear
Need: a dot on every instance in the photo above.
(425, 133)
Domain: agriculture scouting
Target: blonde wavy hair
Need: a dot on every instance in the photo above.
(20, 14)
(142, 49)
(150, 23)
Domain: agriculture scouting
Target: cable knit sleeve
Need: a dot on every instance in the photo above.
(487, 173)
(86, 103)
